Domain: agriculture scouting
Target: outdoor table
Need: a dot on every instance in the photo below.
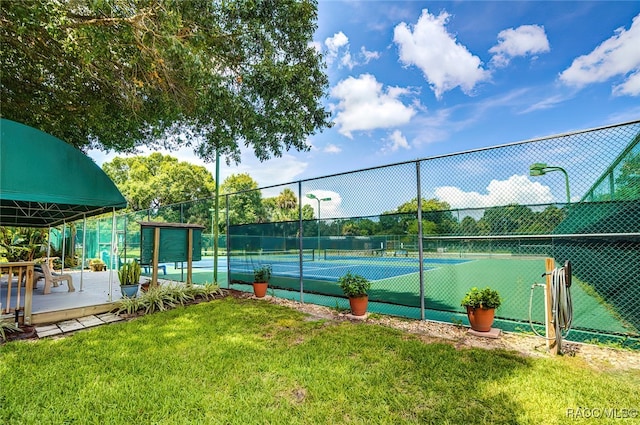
(20, 269)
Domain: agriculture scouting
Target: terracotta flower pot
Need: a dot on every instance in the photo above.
(359, 305)
(481, 319)
(260, 289)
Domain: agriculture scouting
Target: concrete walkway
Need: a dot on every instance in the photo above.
(76, 324)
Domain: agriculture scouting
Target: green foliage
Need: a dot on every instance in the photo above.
(96, 264)
(129, 273)
(129, 305)
(155, 180)
(7, 326)
(156, 299)
(284, 207)
(207, 291)
(262, 274)
(123, 74)
(246, 205)
(22, 244)
(354, 285)
(481, 298)
(167, 296)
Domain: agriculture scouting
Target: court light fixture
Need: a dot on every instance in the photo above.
(541, 168)
(312, 196)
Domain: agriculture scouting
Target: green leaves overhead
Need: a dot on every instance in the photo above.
(127, 73)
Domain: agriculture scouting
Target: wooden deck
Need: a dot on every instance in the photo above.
(93, 295)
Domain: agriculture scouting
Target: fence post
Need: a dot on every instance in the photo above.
(300, 240)
(228, 241)
(552, 346)
(420, 253)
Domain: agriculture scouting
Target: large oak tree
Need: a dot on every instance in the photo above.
(118, 74)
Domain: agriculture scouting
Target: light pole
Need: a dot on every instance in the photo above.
(213, 245)
(540, 169)
(312, 196)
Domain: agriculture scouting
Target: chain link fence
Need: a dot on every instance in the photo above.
(427, 231)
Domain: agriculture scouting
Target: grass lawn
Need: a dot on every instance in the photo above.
(241, 361)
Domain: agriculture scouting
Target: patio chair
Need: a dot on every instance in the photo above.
(37, 274)
(53, 278)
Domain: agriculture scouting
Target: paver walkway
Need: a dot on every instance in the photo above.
(76, 324)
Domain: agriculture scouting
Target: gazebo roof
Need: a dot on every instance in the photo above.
(45, 181)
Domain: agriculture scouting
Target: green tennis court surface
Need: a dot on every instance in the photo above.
(396, 283)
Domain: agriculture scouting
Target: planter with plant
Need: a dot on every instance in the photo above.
(261, 276)
(356, 287)
(97, 265)
(481, 305)
(129, 276)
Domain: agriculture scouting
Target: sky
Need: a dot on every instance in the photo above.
(416, 79)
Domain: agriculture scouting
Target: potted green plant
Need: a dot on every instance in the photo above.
(261, 276)
(355, 287)
(481, 305)
(97, 265)
(129, 276)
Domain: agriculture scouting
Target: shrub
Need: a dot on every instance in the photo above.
(262, 274)
(354, 285)
(485, 298)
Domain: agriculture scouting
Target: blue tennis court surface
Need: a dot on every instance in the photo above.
(330, 270)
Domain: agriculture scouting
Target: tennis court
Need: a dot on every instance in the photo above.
(395, 282)
(331, 264)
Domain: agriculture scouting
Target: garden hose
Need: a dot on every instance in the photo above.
(561, 304)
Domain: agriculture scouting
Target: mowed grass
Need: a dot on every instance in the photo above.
(241, 361)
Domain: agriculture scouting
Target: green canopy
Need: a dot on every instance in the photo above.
(45, 181)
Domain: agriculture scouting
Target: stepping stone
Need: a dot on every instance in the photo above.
(70, 325)
(90, 321)
(109, 317)
(493, 333)
(49, 330)
(352, 317)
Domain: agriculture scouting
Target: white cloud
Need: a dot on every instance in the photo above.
(396, 141)
(522, 41)
(331, 148)
(546, 103)
(631, 87)
(368, 56)
(445, 63)
(338, 47)
(616, 56)
(516, 189)
(346, 61)
(364, 105)
(334, 44)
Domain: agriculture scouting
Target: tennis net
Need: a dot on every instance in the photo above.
(269, 257)
(346, 254)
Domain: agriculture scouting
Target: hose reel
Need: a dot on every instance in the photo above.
(558, 305)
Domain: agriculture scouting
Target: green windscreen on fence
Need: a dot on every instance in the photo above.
(173, 244)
